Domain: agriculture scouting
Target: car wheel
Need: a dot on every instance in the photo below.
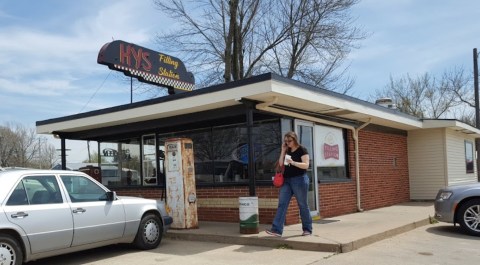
(10, 251)
(469, 217)
(149, 232)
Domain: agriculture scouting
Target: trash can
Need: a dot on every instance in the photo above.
(248, 209)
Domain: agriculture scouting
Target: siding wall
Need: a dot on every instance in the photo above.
(455, 143)
(426, 156)
(436, 159)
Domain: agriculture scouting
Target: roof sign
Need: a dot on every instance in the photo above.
(147, 66)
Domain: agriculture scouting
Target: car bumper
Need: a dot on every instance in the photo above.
(444, 211)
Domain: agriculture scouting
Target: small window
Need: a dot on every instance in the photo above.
(36, 190)
(469, 157)
(19, 196)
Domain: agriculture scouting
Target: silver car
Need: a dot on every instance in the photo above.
(460, 204)
(51, 212)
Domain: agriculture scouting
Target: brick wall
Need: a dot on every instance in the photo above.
(226, 209)
(148, 193)
(383, 175)
(384, 178)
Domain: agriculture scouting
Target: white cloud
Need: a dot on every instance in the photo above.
(49, 62)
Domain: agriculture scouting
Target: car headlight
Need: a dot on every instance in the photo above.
(445, 195)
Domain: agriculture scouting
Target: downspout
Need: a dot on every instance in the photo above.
(266, 107)
(357, 164)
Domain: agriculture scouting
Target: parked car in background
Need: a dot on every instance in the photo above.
(51, 212)
(460, 205)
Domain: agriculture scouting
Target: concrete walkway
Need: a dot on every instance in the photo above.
(337, 234)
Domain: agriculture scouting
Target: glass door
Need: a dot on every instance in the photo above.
(149, 160)
(305, 132)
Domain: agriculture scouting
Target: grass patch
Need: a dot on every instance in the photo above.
(432, 220)
(284, 246)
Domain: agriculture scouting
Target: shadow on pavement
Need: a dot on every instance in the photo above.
(449, 230)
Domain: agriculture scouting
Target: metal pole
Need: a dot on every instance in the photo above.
(475, 86)
(131, 90)
(63, 153)
(251, 148)
(88, 148)
(477, 114)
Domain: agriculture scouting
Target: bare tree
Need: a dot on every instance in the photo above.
(48, 156)
(21, 147)
(426, 96)
(8, 147)
(321, 35)
(231, 40)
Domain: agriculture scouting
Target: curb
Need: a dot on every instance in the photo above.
(356, 244)
(296, 245)
(262, 242)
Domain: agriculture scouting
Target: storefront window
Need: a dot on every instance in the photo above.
(267, 140)
(202, 149)
(230, 149)
(120, 163)
(221, 153)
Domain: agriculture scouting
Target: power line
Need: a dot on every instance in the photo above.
(101, 85)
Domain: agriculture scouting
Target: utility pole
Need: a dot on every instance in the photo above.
(477, 114)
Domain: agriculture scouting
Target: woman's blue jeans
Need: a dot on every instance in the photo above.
(297, 186)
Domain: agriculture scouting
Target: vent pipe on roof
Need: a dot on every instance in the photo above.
(386, 102)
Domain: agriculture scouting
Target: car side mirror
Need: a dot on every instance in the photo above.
(111, 195)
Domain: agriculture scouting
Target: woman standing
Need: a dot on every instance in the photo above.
(296, 160)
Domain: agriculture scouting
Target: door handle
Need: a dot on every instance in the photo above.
(79, 210)
(19, 215)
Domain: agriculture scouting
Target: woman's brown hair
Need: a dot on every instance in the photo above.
(293, 136)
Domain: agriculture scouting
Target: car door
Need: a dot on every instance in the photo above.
(37, 206)
(95, 219)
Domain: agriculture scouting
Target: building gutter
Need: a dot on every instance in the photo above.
(357, 163)
(266, 106)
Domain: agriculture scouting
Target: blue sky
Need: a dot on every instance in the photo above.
(48, 49)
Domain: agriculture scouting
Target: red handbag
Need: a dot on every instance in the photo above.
(278, 178)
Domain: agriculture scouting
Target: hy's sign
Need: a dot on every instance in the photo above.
(147, 66)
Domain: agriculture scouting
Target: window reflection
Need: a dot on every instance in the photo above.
(120, 163)
(221, 153)
(149, 160)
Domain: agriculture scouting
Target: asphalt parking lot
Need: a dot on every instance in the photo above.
(430, 244)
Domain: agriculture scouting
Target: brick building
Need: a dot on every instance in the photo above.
(360, 152)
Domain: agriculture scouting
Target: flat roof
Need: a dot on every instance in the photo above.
(288, 93)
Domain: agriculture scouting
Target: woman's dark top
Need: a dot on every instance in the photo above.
(291, 170)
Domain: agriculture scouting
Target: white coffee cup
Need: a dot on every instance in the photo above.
(285, 161)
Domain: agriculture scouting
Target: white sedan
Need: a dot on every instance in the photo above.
(51, 212)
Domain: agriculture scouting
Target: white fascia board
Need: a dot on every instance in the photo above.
(339, 102)
(221, 98)
(454, 124)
